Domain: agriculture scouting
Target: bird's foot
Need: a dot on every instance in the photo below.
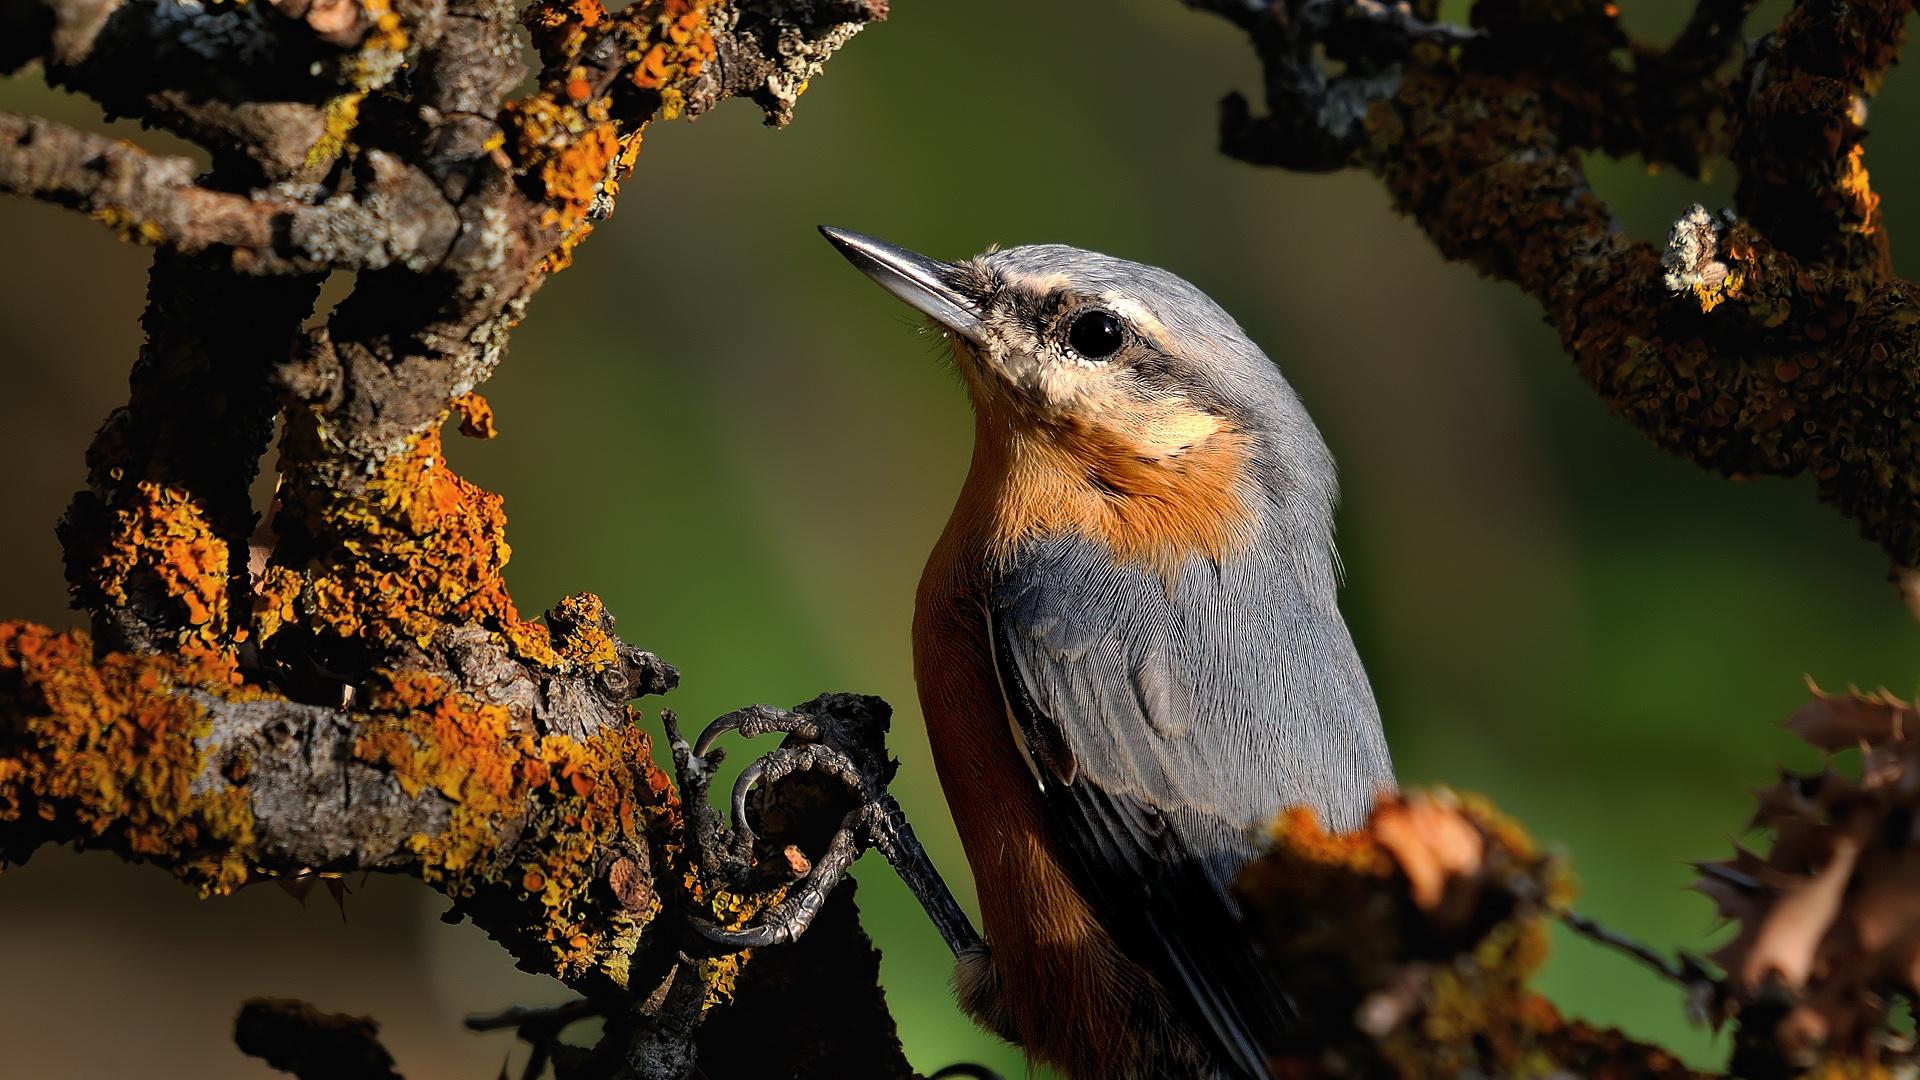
(834, 755)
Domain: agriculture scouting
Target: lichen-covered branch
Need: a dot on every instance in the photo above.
(1407, 946)
(152, 196)
(1829, 932)
(1796, 353)
(348, 685)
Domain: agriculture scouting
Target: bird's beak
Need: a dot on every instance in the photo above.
(926, 285)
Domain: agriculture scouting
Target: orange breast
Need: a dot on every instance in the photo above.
(1156, 485)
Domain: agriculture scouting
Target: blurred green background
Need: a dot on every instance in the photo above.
(747, 450)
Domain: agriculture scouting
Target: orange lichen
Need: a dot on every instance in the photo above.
(1846, 1068)
(274, 600)
(578, 629)
(573, 175)
(559, 27)
(1394, 986)
(1862, 204)
(1298, 831)
(476, 416)
(154, 536)
(564, 133)
(109, 753)
(677, 48)
(418, 548)
(105, 753)
(569, 800)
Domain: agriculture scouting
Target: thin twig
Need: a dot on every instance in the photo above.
(1687, 970)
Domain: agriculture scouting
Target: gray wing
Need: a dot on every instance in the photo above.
(1166, 723)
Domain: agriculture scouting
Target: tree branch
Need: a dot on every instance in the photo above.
(396, 216)
(1800, 359)
(351, 686)
(141, 196)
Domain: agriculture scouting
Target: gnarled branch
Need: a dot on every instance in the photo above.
(1801, 359)
(349, 685)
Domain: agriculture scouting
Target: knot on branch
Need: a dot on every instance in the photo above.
(1692, 259)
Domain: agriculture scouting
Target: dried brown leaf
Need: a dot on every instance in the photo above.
(1834, 722)
(1884, 908)
(1792, 798)
(1794, 925)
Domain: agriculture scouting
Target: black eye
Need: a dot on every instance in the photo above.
(1095, 335)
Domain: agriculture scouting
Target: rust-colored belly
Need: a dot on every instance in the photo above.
(1076, 1001)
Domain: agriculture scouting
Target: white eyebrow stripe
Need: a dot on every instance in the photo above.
(1136, 313)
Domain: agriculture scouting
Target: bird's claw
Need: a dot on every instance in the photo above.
(788, 919)
(757, 720)
(808, 757)
(842, 737)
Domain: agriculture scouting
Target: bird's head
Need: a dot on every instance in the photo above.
(1119, 392)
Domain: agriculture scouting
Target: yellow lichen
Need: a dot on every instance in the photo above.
(343, 112)
(721, 973)
(418, 548)
(579, 638)
(476, 416)
(154, 534)
(129, 227)
(106, 753)
(382, 53)
(572, 799)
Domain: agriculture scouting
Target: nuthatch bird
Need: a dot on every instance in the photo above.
(1129, 654)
